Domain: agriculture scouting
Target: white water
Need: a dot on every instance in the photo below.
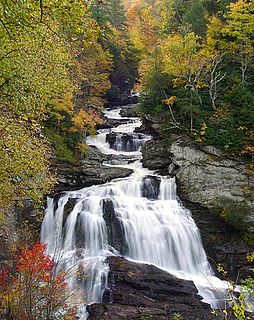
(157, 228)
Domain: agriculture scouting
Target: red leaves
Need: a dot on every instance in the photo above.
(34, 261)
(35, 290)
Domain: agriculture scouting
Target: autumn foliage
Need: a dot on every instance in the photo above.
(32, 290)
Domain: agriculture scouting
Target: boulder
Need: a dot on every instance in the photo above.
(86, 175)
(156, 155)
(114, 227)
(141, 291)
(129, 111)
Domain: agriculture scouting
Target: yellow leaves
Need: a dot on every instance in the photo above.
(221, 270)
(178, 82)
(184, 59)
(85, 120)
(199, 135)
(250, 257)
(64, 103)
(220, 114)
(248, 149)
(24, 162)
(82, 147)
(169, 101)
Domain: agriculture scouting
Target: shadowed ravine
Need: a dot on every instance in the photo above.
(152, 224)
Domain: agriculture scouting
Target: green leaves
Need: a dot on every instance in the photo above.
(49, 50)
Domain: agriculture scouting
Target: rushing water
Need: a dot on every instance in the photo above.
(156, 228)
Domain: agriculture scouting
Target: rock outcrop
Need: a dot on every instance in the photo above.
(140, 291)
(156, 155)
(209, 177)
(129, 111)
(89, 171)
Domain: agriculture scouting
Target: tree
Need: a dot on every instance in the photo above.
(52, 66)
(34, 289)
(240, 28)
(185, 60)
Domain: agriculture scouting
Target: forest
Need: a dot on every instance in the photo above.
(190, 62)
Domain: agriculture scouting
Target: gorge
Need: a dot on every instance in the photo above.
(139, 217)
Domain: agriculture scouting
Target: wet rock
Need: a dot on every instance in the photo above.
(141, 291)
(129, 111)
(110, 123)
(89, 171)
(156, 155)
(124, 141)
(86, 175)
(151, 187)
(114, 227)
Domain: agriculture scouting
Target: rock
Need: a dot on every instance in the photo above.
(110, 123)
(217, 190)
(117, 98)
(141, 291)
(86, 175)
(151, 187)
(89, 171)
(129, 111)
(210, 178)
(152, 124)
(114, 227)
(124, 141)
(156, 155)
(222, 243)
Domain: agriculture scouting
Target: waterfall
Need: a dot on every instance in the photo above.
(155, 226)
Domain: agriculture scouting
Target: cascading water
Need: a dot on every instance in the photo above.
(156, 228)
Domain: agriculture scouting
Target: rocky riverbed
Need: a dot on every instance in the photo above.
(140, 291)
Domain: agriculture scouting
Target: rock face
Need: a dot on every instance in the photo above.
(129, 111)
(110, 123)
(152, 124)
(156, 155)
(208, 177)
(141, 291)
(88, 172)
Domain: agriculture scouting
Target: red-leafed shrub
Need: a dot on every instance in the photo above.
(34, 291)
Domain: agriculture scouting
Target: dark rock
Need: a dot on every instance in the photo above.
(151, 187)
(86, 175)
(125, 141)
(129, 111)
(89, 171)
(152, 124)
(156, 155)
(114, 227)
(110, 123)
(141, 291)
(121, 98)
(222, 243)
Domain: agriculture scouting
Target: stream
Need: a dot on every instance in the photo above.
(156, 228)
